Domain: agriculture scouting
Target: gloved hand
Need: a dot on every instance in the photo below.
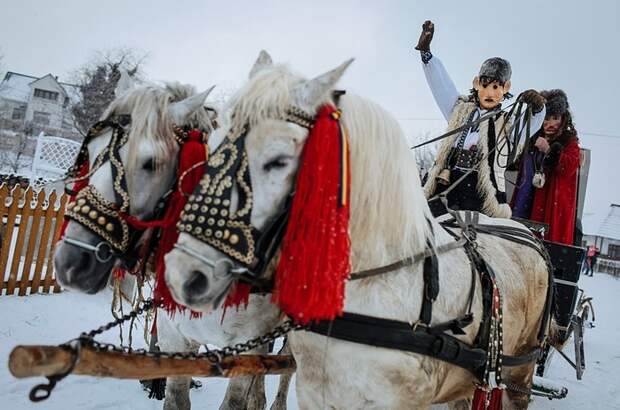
(424, 43)
(533, 99)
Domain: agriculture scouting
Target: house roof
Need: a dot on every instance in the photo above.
(610, 228)
(16, 86)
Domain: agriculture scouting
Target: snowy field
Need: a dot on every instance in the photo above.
(52, 319)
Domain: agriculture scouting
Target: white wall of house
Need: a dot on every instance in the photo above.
(42, 109)
(47, 102)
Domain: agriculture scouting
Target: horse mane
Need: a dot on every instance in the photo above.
(148, 107)
(387, 200)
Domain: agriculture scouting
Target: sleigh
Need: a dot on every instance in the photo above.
(574, 311)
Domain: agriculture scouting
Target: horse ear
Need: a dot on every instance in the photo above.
(308, 94)
(263, 61)
(124, 84)
(181, 110)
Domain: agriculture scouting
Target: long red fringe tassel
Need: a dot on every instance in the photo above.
(486, 398)
(192, 152)
(315, 260)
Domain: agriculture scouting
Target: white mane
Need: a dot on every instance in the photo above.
(148, 107)
(385, 222)
(385, 187)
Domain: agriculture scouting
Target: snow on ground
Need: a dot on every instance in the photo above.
(53, 319)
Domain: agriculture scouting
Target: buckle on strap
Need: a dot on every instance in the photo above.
(445, 348)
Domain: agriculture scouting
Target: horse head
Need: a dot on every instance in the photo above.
(231, 212)
(130, 157)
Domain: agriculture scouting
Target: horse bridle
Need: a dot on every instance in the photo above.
(207, 216)
(108, 220)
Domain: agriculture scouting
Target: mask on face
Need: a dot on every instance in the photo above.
(490, 92)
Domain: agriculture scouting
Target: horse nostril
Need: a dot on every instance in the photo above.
(83, 261)
(197, 283)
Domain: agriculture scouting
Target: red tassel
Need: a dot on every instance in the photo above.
(191, 154)
(315, 260)
(495, 402)
(487, 399)
(480, 398)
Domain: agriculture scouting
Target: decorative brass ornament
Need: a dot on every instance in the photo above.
(101, 217)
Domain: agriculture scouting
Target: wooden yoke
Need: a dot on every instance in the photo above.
(33, 361)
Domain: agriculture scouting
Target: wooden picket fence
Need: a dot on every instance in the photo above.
(30, 228)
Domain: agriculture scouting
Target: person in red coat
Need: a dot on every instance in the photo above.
(555, 202)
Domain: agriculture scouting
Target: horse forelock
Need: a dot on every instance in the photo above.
(150, 122)
(266, 96)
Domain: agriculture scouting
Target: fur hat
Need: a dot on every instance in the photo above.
(496, 68)
(557, 102)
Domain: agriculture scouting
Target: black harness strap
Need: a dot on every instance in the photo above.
(430, 275)
(428, 341)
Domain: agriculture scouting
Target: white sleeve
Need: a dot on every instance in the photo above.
(441, 85)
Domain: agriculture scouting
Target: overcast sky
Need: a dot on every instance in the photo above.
(570, 44)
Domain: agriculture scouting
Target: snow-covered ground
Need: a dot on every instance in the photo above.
(52, 319)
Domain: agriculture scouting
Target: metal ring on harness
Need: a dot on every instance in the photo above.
(103, 251)
(235, 271)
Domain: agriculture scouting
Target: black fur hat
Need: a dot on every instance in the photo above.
(496, 68)
(557, 102)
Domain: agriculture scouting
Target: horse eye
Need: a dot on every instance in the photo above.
(149, 165)
(276, 163)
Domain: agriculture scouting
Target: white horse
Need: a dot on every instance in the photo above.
(388, 222)
(150, 161)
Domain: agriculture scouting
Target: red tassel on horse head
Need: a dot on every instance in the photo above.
(315, 260)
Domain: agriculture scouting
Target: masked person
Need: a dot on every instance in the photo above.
(480, 151)
(551, 164)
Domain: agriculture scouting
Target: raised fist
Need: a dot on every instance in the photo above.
(424, 43)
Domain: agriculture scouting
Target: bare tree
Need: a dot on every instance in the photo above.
(14, 154)
(97, 80)
(425, 155)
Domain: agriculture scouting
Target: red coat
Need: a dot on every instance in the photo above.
(556, 202)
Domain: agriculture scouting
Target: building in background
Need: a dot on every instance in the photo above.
(38, 104)
(607, 240)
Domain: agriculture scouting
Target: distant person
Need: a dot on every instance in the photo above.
(471, 151)
(591, 259)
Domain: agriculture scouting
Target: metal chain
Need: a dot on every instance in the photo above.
(213, 355)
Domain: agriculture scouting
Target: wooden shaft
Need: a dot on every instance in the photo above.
(32, 361)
